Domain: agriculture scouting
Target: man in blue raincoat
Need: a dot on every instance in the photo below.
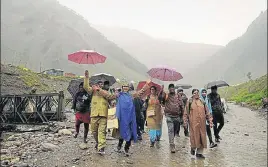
(125, 112)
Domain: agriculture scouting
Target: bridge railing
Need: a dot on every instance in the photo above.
(32, 108)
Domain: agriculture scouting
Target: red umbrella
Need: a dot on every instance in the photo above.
(86, 57)
(165, 74)
(142, 83)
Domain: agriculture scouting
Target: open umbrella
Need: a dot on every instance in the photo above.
(183, 86)
(73, 87)
(86, 57)
(103, 77)
(165, 74)
(142, 83)
(218, 83)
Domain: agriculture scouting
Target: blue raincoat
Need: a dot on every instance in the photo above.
(206, 100)
(125, 112)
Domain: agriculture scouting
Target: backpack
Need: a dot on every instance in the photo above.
(190, 103)
(84, 106)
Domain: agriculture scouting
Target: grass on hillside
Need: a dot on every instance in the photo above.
(250, 92)
(32, 79)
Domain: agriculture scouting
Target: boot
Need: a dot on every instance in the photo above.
(172, 148)
(85, 140)
(75, 135)
(101, 151)
(201, 156)
(126, 152)
(96, 146)
(152, 144)
(192, 151)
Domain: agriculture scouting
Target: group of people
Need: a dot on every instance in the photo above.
(197, 114)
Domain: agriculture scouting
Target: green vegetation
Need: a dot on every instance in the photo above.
(250, 92)
(32, 79)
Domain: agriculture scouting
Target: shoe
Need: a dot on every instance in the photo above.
(75, 135)
(220, 138)
(126, 152)
(85, 140)
(157, 138)
(186, 134)
(172, 148)
(212, 145)
(217, 140)
(152, 144)
(101, 151)
(201, 156)
(96, 146)
(139, 138)
(192, 151)
(119, 148)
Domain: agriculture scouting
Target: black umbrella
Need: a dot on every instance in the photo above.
(183, 86)
(102, 77)
(218, 83)
(73, 87)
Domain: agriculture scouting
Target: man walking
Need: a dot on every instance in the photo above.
(217, 112)
(173, 109)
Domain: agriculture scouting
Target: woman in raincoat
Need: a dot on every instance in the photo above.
(197, 112)
(204, 98)
(154, 115)
(125, 112)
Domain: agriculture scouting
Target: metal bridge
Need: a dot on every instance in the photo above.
(32, 108)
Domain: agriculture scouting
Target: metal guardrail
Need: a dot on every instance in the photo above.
(32, 108)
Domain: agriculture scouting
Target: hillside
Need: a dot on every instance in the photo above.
(152, 51)
(247, 53)
(250, 92)
(19, 80)
(42, 33)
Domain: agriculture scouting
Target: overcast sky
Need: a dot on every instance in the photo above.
(195, 21)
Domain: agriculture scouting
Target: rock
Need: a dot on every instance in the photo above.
(246, 134)
(17, 143)
(5, 162)
(50, 138)
(22, 165)
(15, 160)
(65, 132)
(4, 151)
(83, 146)
(75, 159)
(11, 138)
(49, 147)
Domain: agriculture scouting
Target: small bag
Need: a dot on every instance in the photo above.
(150, 113)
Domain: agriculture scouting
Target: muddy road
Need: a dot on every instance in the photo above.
(244, 144)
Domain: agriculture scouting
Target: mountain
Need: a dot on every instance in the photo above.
(42, 33)
(152, 51)
(248, 53)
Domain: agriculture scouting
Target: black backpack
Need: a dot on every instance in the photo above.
(84, 106)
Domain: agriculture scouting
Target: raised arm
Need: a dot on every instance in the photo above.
(107, 95)
(141, 92)
(86, 86)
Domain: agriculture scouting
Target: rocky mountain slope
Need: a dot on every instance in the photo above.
(245, 54)
(42, 33)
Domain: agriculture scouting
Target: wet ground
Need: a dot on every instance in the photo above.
(244, 144)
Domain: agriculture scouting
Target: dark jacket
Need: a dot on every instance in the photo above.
(216, 103)
(173, 105)
(81, 102)
(138, 107)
